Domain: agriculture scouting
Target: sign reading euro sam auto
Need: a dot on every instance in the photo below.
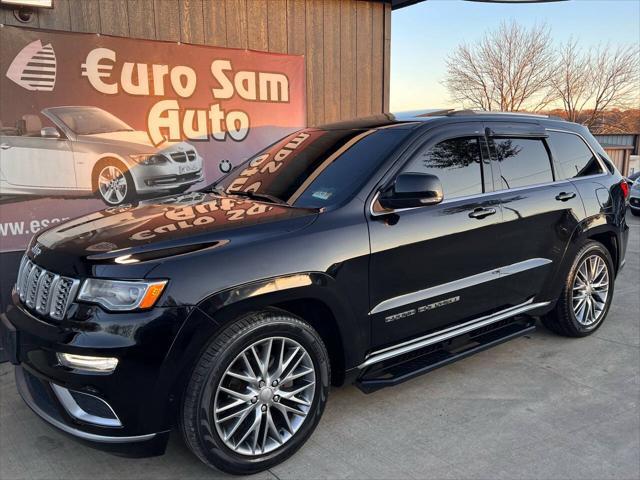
(90, 122)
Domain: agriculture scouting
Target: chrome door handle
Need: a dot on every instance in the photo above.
(480, 213)
(564, 196)
(5, 146)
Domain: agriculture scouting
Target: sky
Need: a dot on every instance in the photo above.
(424, 34)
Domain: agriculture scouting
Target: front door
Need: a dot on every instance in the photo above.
(433, 266)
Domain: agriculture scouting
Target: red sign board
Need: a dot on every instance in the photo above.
(90, 121)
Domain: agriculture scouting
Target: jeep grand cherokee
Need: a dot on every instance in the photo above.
(366, 252)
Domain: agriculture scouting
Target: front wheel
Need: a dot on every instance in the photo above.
(635, 212)
(587, 294)
(256, 393)
(115, 184)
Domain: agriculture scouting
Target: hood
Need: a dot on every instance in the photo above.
(163, 227)
(136, 137)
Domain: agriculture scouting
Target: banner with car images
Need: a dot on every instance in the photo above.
(89, 121)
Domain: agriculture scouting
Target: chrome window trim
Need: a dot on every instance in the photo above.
(455, 285)
(448, 333)
(76, 411)
(605, 171)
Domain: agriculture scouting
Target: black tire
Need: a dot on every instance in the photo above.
(130, 195)
(634, 212)
(195, 418)
(562, 319)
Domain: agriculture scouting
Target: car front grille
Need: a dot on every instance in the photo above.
(45, 292)
(182, 157)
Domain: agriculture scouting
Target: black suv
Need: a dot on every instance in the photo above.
(367, 252)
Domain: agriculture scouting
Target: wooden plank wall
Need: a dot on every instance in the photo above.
(346, 43)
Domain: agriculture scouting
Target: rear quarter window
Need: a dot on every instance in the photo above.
(572, 157)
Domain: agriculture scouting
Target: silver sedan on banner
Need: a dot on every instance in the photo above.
(87, 151)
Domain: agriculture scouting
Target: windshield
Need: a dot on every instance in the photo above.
(90, 120)
(314, 168)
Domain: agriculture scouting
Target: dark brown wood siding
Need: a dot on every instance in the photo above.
(345, 42)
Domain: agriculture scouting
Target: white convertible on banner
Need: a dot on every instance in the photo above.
(89, 151)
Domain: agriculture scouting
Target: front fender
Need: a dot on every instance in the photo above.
(227, 305)
(214, 313)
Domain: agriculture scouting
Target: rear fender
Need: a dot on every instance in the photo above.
(595, 228)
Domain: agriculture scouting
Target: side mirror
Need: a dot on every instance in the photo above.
(49, 132)
(412, 190)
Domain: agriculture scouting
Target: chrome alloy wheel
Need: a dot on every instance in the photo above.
(590, 290)
(112, 184)
(264, 396)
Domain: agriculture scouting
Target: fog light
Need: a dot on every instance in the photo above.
(90, 364)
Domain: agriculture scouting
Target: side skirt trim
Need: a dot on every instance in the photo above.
(448, 333)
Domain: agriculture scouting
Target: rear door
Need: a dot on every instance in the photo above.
(540, 210)
(433, 266)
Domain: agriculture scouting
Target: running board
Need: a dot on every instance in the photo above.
(448, 333)
(408, 366)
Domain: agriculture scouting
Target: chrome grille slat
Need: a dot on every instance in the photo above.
(43, 291)
(32, 286)
(24, 278)
(21, 272)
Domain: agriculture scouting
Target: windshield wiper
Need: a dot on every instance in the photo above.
(257, 196)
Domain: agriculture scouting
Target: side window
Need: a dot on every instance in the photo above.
(456, 162)
(572, 156)
(522, 162)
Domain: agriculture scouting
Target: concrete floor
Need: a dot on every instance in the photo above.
(538, 407)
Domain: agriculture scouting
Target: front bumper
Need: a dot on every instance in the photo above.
(39, 397)
(138, 396)
(167, 176)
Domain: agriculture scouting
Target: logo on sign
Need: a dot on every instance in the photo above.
(225, 166)
(34, 68)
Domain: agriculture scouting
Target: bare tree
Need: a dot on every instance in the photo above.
(589, 83)
(508, 70)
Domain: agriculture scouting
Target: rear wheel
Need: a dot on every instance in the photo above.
(256, 393)
(586, 297)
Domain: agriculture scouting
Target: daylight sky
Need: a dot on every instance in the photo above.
(424, 34)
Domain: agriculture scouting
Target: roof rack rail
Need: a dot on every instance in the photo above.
(488, 112)
(436, 112)
(466, 111)
(452, 112)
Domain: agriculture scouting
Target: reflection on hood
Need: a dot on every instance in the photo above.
(180, 220)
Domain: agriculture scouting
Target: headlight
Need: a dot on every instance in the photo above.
(148, 158)
(121, 295)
